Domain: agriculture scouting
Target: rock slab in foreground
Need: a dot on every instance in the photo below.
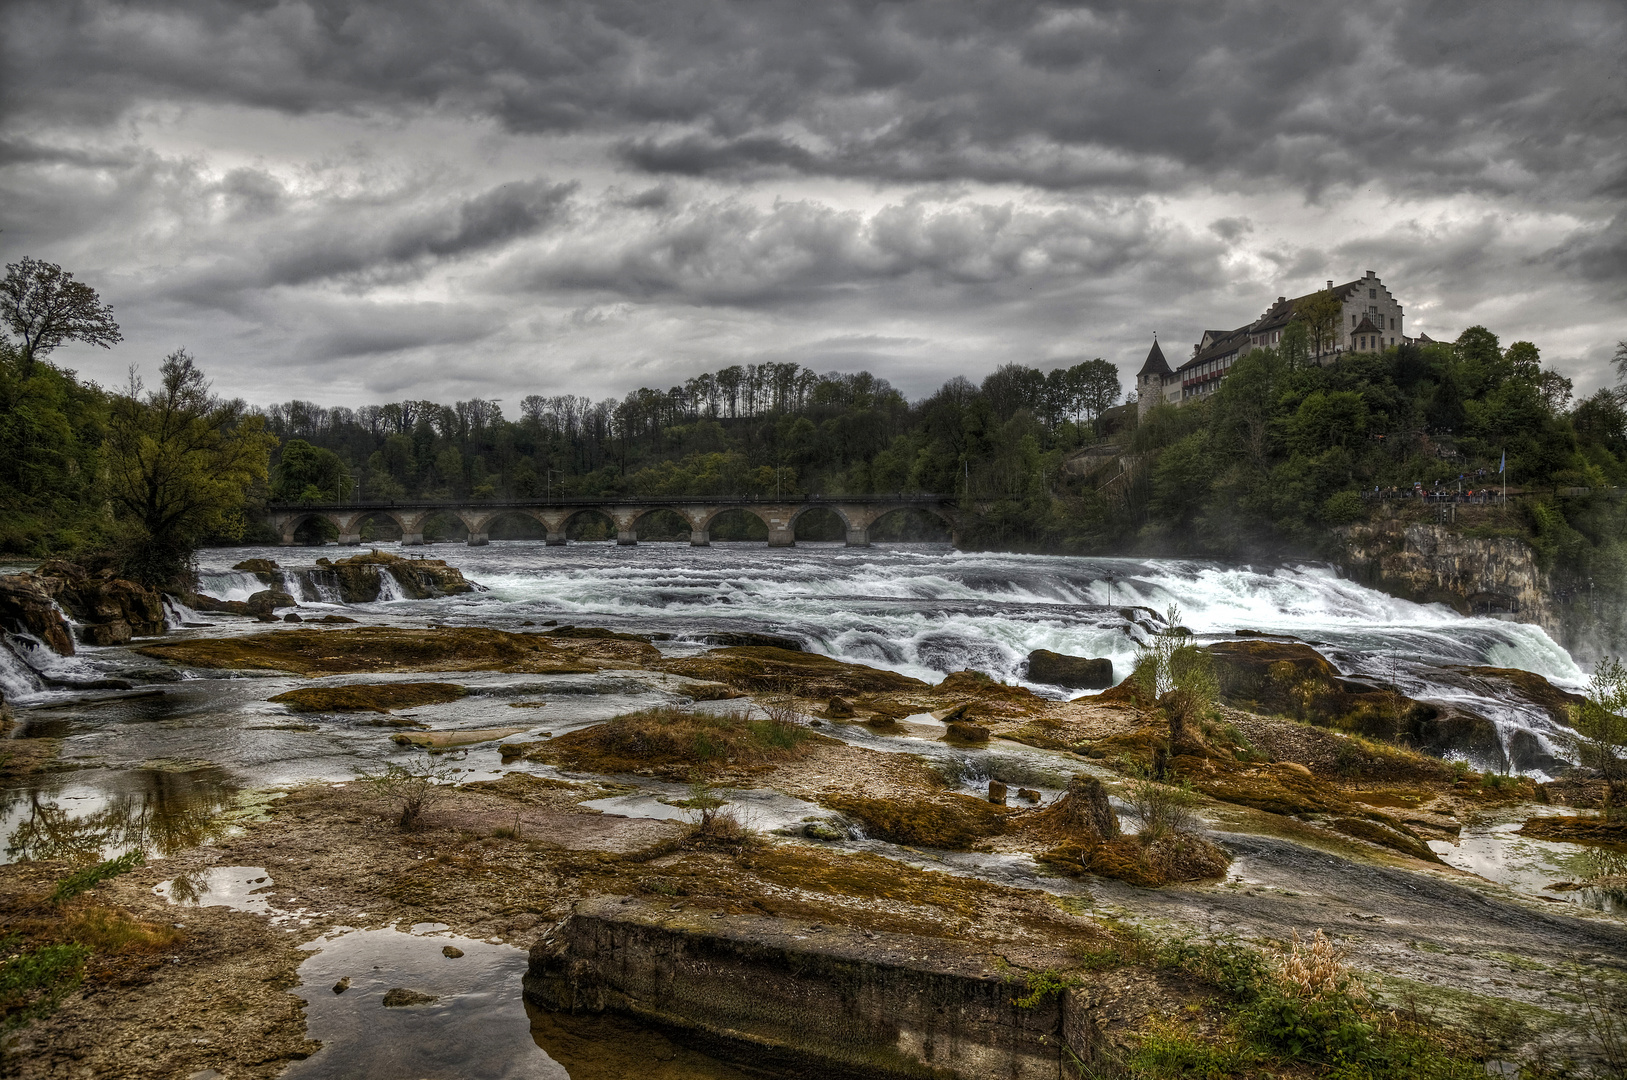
(777, 993)
(1075, 672)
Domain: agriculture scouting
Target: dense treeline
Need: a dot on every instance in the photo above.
(1285, 451)
(755, 430)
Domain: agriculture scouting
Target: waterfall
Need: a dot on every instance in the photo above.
(178, 615)
(17, 679)
(294, 585)
(230, 584)
(326, 584)
(389, 587)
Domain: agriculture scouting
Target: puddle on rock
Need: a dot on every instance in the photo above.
(459, 1013)
(1493, 848)
(475, 1026)
(241, 888)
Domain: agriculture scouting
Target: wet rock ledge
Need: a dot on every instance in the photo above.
(829, 1001)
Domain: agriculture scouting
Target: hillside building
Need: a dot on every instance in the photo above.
(1371, 319)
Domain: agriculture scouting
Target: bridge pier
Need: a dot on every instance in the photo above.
(626, 537)
(350, 539)
(478, 539)
(858, 537)
(700, 538)
(412, 539)
(556, 539)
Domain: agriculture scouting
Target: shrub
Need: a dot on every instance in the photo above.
(90, 876)
(1160, 808)
(414, 787)
(33, 981)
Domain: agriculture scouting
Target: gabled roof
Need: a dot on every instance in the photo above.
(1364, 327)
(1222, 346)
(1156, 364)
(1277, 315)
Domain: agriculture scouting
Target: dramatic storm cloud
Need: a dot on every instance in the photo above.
(358, 202)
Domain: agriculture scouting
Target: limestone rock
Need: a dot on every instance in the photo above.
(839, 708)
(110, 610)
(451, 952)
(25, 607)
(1084, 810)
(997, 792)
(1075, 672)
(400, 998)
(360, 581)
(963, 732)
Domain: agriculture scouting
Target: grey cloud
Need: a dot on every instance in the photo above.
(1502, 97)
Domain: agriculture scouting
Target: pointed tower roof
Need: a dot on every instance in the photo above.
(1156, 364)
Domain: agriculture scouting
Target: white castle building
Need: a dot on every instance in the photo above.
(1370, 320)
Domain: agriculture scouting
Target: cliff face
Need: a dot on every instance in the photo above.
(1498, 576)
(1431, 564)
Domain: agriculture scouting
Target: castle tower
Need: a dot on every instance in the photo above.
(1150, 380)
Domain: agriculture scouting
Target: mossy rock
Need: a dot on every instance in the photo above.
(808, 674)
(257, 566)
(677, 743)
(949, 821)
(1173, 859)
(1578, 830)
(374, 648)
(1074, 672)
(369, 697)
(1390, 834)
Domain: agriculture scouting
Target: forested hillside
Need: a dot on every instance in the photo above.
(1283, 453)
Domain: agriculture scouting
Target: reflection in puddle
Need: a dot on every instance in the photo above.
(606, 1047)
(157, 811)
(427, 1004)
(1493, 848)
(461, 1015)
(240, 888)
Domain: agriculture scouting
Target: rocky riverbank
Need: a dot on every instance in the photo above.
(917, 859)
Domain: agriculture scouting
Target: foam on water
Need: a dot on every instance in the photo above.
(229, 584)
(389, 587)
(925, 610)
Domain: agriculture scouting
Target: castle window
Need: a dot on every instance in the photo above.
(1372, 294)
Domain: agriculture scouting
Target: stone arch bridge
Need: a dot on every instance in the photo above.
(780, 515)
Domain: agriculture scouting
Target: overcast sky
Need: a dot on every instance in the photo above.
(358, 202)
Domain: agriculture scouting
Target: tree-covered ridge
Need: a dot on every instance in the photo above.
(754, 430)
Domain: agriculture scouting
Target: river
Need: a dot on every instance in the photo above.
(173, 762)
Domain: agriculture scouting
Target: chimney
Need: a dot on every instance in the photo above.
(1330, 284)
(1371, 274)
(1281, 299)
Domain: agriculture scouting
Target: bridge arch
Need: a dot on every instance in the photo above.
(912, 524)
(310, 523)
(741, 523)
(650, 518)
(821, 521)
(590, 524)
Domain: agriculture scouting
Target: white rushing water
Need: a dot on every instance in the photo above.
(926, 610)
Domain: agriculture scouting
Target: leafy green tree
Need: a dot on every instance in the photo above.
(180, 464)
(1320, 313)
(44, 306)
(1601, 722)
(307, 473)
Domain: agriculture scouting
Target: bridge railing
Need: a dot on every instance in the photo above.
(609, 500)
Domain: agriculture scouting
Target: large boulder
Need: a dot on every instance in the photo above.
(1075, 672)
(109, 610)
(25, 607)
(360, 577)
(262, 605)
